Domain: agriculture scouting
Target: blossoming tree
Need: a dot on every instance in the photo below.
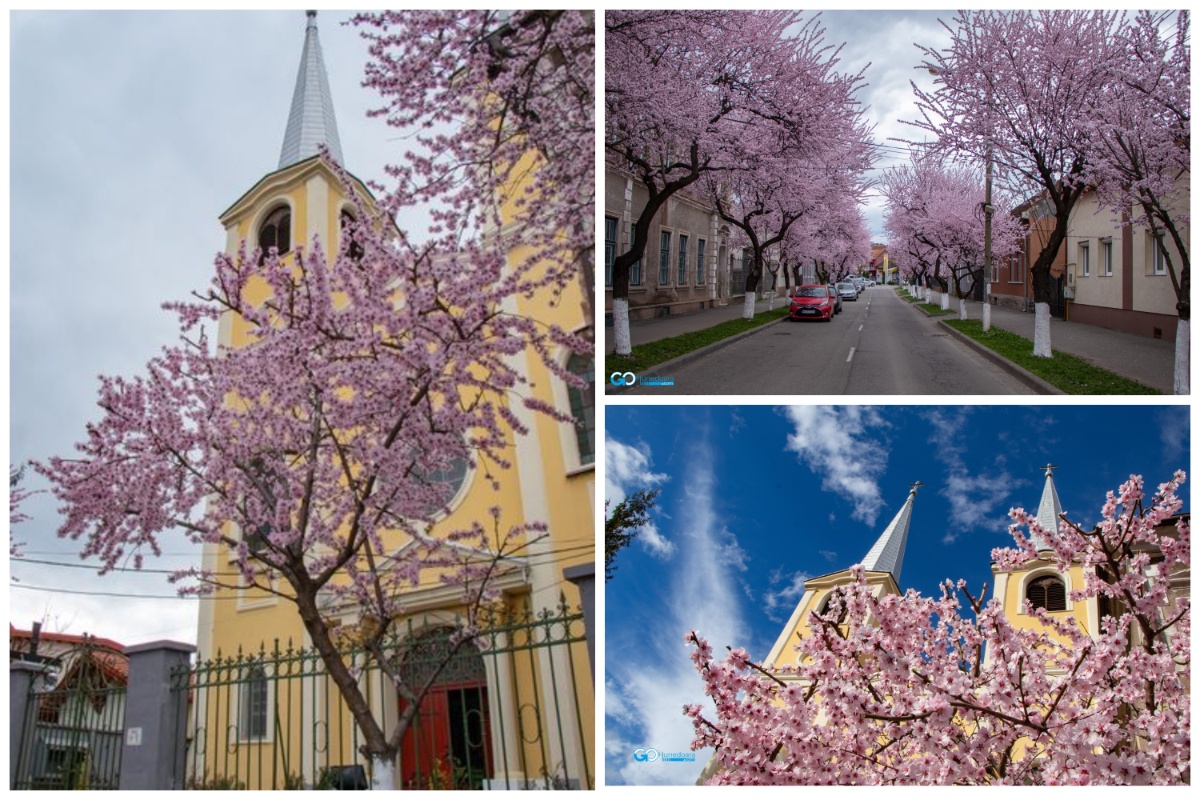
(315, 454)
(1017, 86)
(912, 689)
(1140, 129)
(686, 92)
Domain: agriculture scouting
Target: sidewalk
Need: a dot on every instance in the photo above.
(651, 330)
(1148, 361)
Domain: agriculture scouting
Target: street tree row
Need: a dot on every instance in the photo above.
(749, 111)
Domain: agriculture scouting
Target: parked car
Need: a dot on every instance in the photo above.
(837, 299)
(847, 290)
(811, 301)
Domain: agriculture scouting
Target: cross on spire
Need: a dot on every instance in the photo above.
(1049, 468)
(914, 486)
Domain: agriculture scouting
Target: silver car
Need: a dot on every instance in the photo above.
(847, 290)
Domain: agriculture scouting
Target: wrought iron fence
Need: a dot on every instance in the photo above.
(72, 732)
(511, 708)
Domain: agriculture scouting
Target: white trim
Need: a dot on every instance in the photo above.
(573, 463)
(786, 635)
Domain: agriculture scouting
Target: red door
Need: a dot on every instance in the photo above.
(448, 745)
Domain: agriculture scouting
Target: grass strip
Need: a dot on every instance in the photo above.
(935, 310)
(1071, 374)
(653, 353)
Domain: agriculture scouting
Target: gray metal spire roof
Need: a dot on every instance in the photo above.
(888, 553)
(311, 121)
(1048, 509)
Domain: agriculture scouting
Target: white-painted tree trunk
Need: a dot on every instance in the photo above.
(620, 314)
(1183, 349)
(748, 306)
(383, 775)
(962, 308)
(945, 301)
(1041, 330)
(986, 314)
(771, 301)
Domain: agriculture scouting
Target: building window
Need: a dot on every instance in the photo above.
(583, 406)
(664, 258)
(1160, 249)
(276, 231)
(1085, 263)
(1049, 593)
(683, 258)
(829, 598)
(635, 272)
(1106, 254)
(610, 248)
(252, 704)
(354, 250)
(700, 243)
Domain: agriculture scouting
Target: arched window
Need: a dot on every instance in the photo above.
(276, 231)
(583, 406)
(824, 609)
(355, 250)
(1049, 593)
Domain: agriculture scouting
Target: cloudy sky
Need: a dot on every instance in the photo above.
(756, 499)
(130, 134)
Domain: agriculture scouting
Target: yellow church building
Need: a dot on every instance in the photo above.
(1038, 584)
(514, 712)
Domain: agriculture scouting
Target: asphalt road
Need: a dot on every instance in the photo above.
(876, 346)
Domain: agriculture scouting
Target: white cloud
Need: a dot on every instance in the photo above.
(778, 603)
(651, 678)
(627, 470)
(975, 496)
(836, 444)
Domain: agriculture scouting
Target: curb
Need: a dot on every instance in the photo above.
(1020, 373)
(687, 358)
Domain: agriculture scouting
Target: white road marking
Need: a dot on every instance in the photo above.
(860, 327)
(850, 356)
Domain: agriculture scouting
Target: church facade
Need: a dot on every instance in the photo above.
(518, 716)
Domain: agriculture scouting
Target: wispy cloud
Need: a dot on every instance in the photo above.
(628, 471)
(784, 593)
(838, 444)
(828, 555)
(650, 677)
(1174, 431)
(975, 495)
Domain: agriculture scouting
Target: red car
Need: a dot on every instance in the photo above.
(811, 301)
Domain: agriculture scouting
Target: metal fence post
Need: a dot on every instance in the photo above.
(155, 746)
(21, 675)
(584, 577)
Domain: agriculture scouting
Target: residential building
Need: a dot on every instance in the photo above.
(273, 719)
(1107, 272)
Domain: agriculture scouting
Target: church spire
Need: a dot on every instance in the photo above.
(888, 553)
(1048, 510)
(311, 121)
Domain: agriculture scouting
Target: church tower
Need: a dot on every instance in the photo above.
(881, 566)
(1041, 582)
(300, 200)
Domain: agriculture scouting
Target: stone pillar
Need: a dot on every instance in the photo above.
(584, 577)
(155, 748)
(21, 676)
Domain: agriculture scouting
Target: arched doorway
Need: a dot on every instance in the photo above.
(448, 745)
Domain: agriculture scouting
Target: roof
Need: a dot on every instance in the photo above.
(311, 121)
(1049, 509)
(887, 555)
(14, 634)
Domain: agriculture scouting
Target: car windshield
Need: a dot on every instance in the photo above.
(845, 285)
(809, 291)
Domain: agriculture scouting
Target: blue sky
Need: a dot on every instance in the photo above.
(755, 499)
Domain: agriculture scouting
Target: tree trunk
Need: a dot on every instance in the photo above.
(962, 308)
(752, 278)
(945, 300)
(1041, 330)
(986, 314)
(383, 774)
(1183, 350)
(620, 312)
